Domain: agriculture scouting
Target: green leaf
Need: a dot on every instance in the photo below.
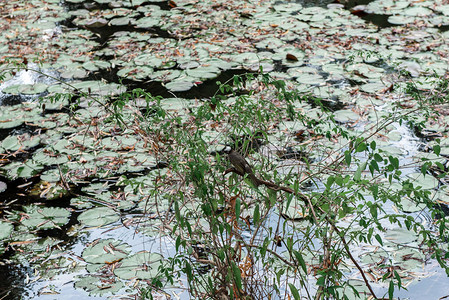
(321, 281)
(398, 278)
(348, 157)
(256, 215)
(437, 149)
(361, 147)
(375, 190)
(178, 243)
(294, 291)
(330, 181)
(391, 290)
(237, 276)
(358, 173)
(237, 208)
(301, 261)
(373, 211)
(394, 161)
(379, 239)
(377, 157)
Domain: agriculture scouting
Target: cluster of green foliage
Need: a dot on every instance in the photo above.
(234, 240)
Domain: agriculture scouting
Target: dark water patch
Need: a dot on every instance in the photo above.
(105, 32)
(380, 21)
(443, 211)
(443, 28)
(12, 278)
(21, 129)
(10, 100)
(377, 19)
(202, 89)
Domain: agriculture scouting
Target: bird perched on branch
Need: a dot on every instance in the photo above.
(241, 166)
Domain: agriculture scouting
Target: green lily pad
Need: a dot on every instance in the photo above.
(25, 169)
(5, 230)
(179, 86)
(105, 251)
(45, 217)
(427, 181)
(401, 236)
(344, 116)
(373, 87)
(98, 216)
(142, 265)
(98, 286)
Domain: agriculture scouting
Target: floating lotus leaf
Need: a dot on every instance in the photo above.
(92, 23)
(98, 216)
(96, 286)
(427, 182)
(375, 257)
(48, 157)
(122, 21)
(409, 259)
(142, 265)
(393, 150)
(148, 59)
(189, 64)
(45, 217)
(374, 87)
(5, 231)
(309, 78)
(74, 73)
(32, 89)
(59, 88)
(249, 58)
(3, 186)
(136, 72)
(41, 25)
(366, 70)
(344, 116)
(12, 89)
(265, 66)
(51, 175)
(11, 143)
(401, 236)
(270, 43)
(105, 251)
(349, 293)
(99, 87)
(167, 75)
(410, 206)
(168, 65)
(400, 20)
(203, 73)
(81, 203)
(147, 22)
(25, 169)
(179, 86)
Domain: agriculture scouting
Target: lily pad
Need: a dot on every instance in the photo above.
(98, 216)
(179, 86)
(5, 230)
(142, 265)
(45, 217)
(105, 251)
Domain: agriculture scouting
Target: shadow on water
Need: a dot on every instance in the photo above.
(203, 89)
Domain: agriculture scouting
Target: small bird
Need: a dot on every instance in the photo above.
(240, 164)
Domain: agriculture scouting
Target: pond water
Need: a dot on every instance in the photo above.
(99, 46)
